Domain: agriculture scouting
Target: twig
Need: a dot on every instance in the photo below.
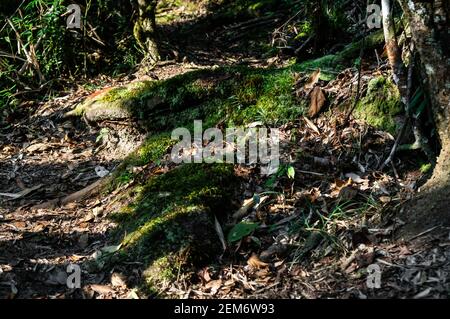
(297, 51)
(396, 144)
(424, 232)
(31, 59)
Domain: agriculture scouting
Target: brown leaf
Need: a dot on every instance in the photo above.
(255, 262)
(102, 289)
(313, 79)
(118, 280)
(338, 185)
(311, 125)
(318, 100)
(38, 147)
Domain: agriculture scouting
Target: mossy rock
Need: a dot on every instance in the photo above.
(380, 105)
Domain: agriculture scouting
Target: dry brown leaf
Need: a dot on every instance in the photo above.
(311, 125)
(313, 79)
(118, 280)
(318, 100)
(102, 289)
(204, 275)
(255, 262)
(38, 147)
(20, 224)
(314, 194)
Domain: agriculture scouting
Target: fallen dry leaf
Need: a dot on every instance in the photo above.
(214, 285)
(313, 79)
(118, 280)
(102, 289)
(255, 262)
(318, 100)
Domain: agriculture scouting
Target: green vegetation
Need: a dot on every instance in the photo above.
(38, 29)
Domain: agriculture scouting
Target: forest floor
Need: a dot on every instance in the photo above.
(351, 206)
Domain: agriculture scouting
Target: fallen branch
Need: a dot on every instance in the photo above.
(74, 196)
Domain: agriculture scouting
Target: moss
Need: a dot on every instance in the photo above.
(380, 105)
(154, 148)
(425, 168)
(175, 210)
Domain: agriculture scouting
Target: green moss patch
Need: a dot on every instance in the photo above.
(380, 105)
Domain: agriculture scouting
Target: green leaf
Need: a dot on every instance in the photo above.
(421, 108)
(291, 172)
(241, 230)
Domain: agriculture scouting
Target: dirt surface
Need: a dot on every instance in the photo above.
(46, 158)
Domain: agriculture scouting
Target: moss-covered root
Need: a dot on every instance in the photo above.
(170, 225)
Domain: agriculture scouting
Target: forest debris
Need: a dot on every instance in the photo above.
(118, 280)
(38, 147)
(422, 294)
(356, 178)
(248, 204)
(220, 233)
(313, 240)
(311, 125)
(101, 289)
(214, 286)
(101, 171)
(275, 249)
(312, 81)
(22, 193)
(74, 196)
(83, 240)
(338, 185)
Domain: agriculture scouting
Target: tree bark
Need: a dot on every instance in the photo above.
(429, 25)
(145, 31)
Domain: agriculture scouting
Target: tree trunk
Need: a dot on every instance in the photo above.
(145, 31)
(429, 27)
